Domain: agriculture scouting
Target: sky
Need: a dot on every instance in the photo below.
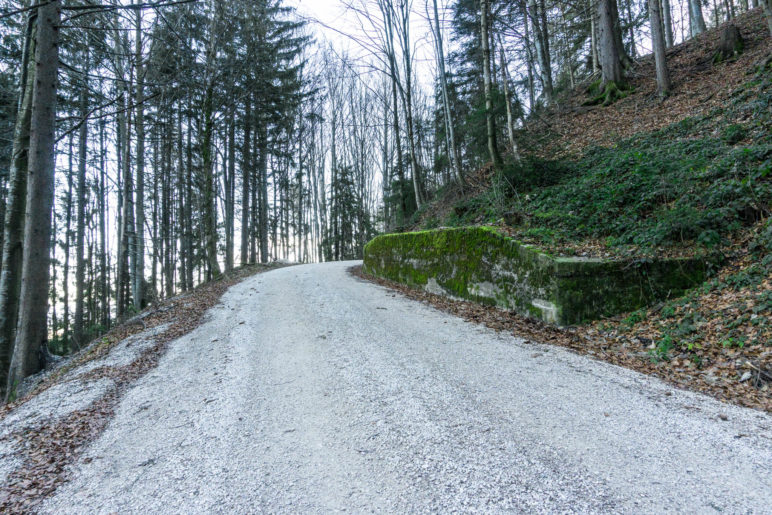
(332, 22)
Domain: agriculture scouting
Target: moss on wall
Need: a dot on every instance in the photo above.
(478, 263)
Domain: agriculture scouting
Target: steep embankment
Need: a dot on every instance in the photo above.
(645, 178)
(569, 129)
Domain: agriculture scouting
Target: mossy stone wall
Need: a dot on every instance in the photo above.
(480, 264)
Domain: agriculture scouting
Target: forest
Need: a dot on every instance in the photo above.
(149, 147)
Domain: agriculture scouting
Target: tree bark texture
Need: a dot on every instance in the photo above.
(33, 312)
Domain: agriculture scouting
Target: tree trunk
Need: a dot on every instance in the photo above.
(189, 204)
(768, 12)
(418, 186)
(454, 154)
(263, 171)
(256, 199)
(658, 42)
(729, 5)
(10, 277)
(490, 123)
(508, 101)
(529, 61)
(103, 207)
(170, 248)
(542, 49)
(609, 49)
(183, 199)
(80, 264)
(229, 195)
(66, 249)
(594, 40)
(667, 21)
(210, 223)
(138, 288)
(33, 313)
(207, 177)
(402, 23)
(697, 22)
(630, 29)
(125, 197)
(246, 172)
(398, 147)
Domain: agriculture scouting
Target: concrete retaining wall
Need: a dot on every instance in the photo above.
(478, 263)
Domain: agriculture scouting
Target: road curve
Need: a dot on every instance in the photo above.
(308, 390)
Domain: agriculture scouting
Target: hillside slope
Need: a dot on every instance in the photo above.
(688, 175)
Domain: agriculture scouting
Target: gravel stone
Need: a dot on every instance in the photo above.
(308, 390)
(124, 352)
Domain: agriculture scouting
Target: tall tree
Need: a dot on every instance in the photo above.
(399, 22)
(207, 166)
(33, 307)
(490, 122)
(10, 278)
(449, 122)
(80, 263)
(696, 20)
(768, 12)
(658, 42)
(609, 43)
(538, 20)
(138, 250)
(667, 22)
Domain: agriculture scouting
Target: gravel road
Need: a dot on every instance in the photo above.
(308, 390)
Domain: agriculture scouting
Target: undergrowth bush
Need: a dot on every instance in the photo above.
(657, 190)
(661, 189)
(695, 182)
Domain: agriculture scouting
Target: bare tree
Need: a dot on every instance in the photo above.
(138, 250)
(80, 263)
(508, 100)
(449, 122)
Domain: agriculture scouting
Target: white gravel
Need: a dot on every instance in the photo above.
(125, 352)
(308, 390)
(73, 393)
(49, 406)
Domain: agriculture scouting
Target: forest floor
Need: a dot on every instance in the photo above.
(70, 405)
(642, 178)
